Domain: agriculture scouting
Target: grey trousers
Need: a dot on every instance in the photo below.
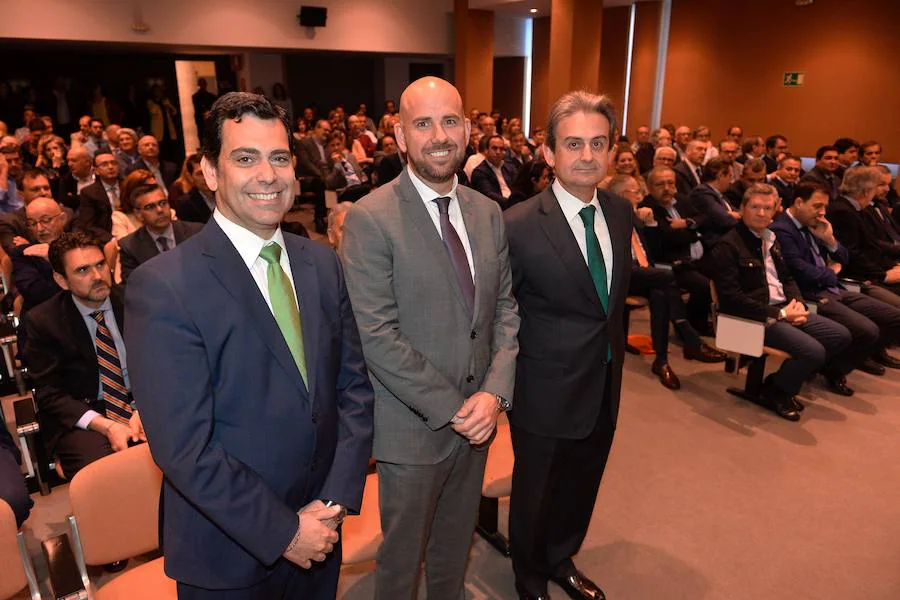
(428, 513)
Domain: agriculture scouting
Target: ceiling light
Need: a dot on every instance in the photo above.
(533, 11)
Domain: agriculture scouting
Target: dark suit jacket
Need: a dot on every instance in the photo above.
(881, 223)
(68, 190)
(713, 221)
(856, 234)
(14, 224)
(242, 441)
(389, 168)
(785, 191)
(484, 180)
(674, 245)
(684, 180)
(192, 207)
(817, 175)
(309, 161)
(797, 253)
(771, 164)
(169, 171)
(738, 270)
(565, 333)
(33, 277)
(95, 211)
(138, 247)
(62, 361)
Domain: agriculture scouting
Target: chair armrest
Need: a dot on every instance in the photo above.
(26, 416)
(852, 285)
(65, 579)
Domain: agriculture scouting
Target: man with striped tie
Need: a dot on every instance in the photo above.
(76, 354)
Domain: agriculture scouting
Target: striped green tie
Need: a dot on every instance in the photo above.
(284, 305)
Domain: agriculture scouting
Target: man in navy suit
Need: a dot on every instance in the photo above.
(246, 356)
(495, 175)
(715, 217)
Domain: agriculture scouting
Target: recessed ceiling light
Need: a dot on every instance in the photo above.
(533, 11)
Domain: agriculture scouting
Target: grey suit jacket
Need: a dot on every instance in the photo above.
(425, 354)
(138, 247)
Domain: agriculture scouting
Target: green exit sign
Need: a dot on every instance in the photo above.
(793, 79)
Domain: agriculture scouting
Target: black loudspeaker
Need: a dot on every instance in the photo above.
(312, 16)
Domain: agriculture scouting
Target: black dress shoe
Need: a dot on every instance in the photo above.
(705, 354)
(579, 587)
(885, 359)
(786, 409)
(531, 595)
(666, 376)
(839, 386)
(115, 567)
(871, 367)
(797, 404)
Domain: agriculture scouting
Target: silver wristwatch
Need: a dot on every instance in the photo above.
(502, 403)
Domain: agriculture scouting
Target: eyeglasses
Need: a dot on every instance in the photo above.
(156, 205)
(42, 222)
(106, 163)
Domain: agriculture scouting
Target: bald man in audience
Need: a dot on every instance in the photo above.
(164, 172)
(32, 272)
(14, 230)
(98, 200)
(736, 133)
(730, 149)
(81, 175)
(688, 171)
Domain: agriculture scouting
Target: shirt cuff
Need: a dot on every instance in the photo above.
(86, 419)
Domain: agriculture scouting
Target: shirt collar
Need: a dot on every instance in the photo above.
(87, 311)
(426, 193)
(569, 204)
(168, 233)
(797, 223)
(767, 237)
(853, 202)
(247, 243)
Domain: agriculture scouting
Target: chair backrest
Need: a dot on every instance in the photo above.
(13, 579)
(115, 502)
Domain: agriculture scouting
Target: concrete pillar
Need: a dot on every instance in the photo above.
(474, 60)
(576, 28)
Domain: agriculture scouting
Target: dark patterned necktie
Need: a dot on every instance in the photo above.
(163, 242)
(115, 394)
(457, 253)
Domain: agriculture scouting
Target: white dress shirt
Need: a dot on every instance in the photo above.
(696, 247)
(456, 220)
(112, 192)
(80, 184)
(571, 206)
(472, 163)
(776, 289)
(498, 173)
(157, 175)
(249, 245)
(169, 234)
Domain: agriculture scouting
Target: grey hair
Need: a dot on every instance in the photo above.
(129, 131)
(758, 189)
(575, 102)
(859, 180)
(617, 183)
(340, 207)
(662, 149)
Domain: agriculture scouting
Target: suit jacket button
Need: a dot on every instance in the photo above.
(470, 379)
(314, 417)
(314, 464)
(474, 334)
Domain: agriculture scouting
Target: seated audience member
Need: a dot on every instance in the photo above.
(111, 135)
(536, 143)
(125, 220)
(776, 145)
(80, 175)
(824, 171)
(312, 160)
(751, 147)
(126, 153)
(300, 129)
(336, 218)
(11, 168)
(857, 234)
(343, 173)
(158, 234)
(736, 133)
(641, 138)
(29, 148)
(519, 152)
(716, 217)
(753, 171)
(754, 282)
(664, 156)
(362, 141)
(785, 178)
(702, 134)
(31, 267)
(659, 287)
(164, 172)
(815, 259)
(869, 153)
(682, 139)
(14, 230)
(12, 483)
(101, 198)
(679, 244)
(729, 149)
(198, 205)
(388, 161)
(531, 180)
(879, 212)
(21, 133)
(645, 155)
(495, 174)
(626, 164)
(52, 160)
(95, 142)
(76, 356)
(848, 154)
(476, 159)
(688, 173)
(475, 136)
(185, 183)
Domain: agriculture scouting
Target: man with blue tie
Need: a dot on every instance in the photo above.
(246, 359)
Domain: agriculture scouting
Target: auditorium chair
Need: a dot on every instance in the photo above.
(497, 484)
(361, 534)
(17, 569)
(114, 516)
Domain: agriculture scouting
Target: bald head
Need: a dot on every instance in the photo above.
(428, 90)
(148, 148)
(79, 160)
(45, 218)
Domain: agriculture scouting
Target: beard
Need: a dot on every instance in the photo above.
(437, 173)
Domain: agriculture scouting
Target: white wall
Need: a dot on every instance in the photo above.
(397, 26)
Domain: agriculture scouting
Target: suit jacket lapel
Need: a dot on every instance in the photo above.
(306, 282)
(148, 244)
(422, 222)
(78, 331)
(228, 267)
(618, 224)
(560, 235)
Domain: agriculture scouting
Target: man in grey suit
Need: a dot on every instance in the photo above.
(428, 273)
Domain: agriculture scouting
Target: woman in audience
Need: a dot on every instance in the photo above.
(52, 160)
(125, 220)
(300, 129)
(532, 179)
(185, 182)
(627, 165)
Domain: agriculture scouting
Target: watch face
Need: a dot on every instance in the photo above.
(503, 403)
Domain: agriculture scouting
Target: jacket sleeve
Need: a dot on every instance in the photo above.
(725, 271)
(30, 282)
(481, 183)
(808, 275)
(847, 229)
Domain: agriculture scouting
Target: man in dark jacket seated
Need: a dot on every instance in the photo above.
(718, 216)
(815, 259)
(495, 175)
(753, 282)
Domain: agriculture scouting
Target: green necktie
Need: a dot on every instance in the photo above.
(284, 305)
(596, 264)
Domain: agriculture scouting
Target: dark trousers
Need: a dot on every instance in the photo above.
(316, 187)
(873, 324)
(554, 488)
(696, 284)
(811, 346)
(77, 448)
(12, 483)
(286, 581)
(886, 293)
(659, 287)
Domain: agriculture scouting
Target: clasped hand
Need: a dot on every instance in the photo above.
(316, 536)
(477, 417)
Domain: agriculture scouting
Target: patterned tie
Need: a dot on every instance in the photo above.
(284, 305)
(115, 394)
(163, 242)
(457, 253)
(638, 249)
(817, 257)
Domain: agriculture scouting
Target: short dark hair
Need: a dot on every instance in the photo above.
(37, 124)
(755, 165)
(804, 191)
(844, 144)
(713, 168)
(788, 156)
(141, 190)
(868, 144)
(748, 143)
(822, 150)
(493, 137)
(772, 140)
(233, 106)
(101, 153)
(70, 240)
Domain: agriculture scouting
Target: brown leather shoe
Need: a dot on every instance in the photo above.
(705, 353)
(666, 376)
